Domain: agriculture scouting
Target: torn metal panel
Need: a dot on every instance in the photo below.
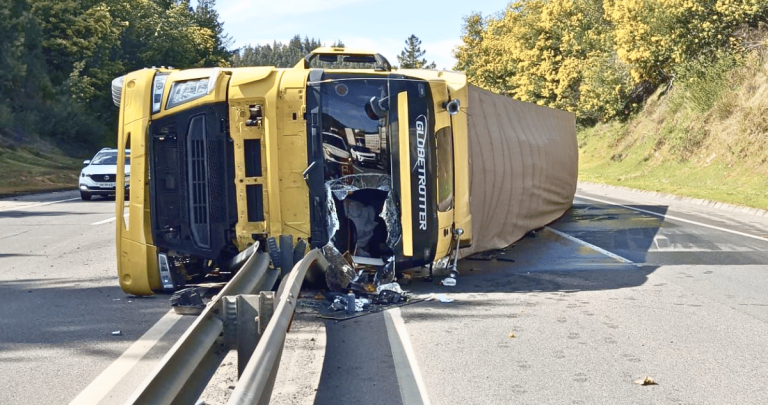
(339, 273)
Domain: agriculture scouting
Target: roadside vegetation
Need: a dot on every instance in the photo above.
(57, 61)
(35, 166)
(669, 95)
(58, 58)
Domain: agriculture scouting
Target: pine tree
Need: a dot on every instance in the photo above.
(411, 55)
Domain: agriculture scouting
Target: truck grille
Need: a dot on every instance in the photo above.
(193, 193)
(198, 182)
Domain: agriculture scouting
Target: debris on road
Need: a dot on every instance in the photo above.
(511, 335)
(187, 302)
(355, 303)
(645, 381)
(117, 333)
(444, 298)
(449, 282)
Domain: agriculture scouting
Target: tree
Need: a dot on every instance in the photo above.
(411, 56)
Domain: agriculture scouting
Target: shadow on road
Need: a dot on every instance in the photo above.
(71, 316)
(27, 214)
(358, 365)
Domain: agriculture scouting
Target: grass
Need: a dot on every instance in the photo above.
(25, 170)
(704, 139)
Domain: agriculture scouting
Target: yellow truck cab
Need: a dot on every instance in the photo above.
(369, 161)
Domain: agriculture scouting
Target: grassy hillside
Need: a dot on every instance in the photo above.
(37, 167)
(705, 137)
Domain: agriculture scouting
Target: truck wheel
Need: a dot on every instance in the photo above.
(286, 254)
(85, 196)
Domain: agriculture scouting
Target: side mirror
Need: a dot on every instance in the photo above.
(452, 106)
(377, 107)
(86, 162)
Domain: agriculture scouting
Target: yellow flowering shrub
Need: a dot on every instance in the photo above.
(594, 57)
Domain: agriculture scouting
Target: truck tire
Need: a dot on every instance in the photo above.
(298, 250)
(274, 251)
(286, 254)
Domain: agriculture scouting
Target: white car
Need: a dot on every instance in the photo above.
(335, 148)
(98, 175)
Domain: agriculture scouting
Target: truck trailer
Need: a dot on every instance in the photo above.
(396, 168)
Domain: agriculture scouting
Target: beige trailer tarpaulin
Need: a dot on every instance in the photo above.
(523, 167)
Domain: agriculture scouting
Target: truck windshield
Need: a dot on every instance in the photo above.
(108, 158)
(355, 120)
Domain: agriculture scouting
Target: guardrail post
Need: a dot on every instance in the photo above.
(245, 318)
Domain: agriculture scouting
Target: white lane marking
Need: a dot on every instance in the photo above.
(688, 221)
(591, 246)
(112, 375)
(104, 221)
(397, 321)
(15, 207)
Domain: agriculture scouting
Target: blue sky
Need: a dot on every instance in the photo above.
(381, 25)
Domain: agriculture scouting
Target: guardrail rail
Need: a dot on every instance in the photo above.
(245, 316)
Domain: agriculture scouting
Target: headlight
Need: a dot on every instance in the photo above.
(158, 85)
(183, 92)
(117, 89)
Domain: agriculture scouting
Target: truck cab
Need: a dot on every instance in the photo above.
(372, 162)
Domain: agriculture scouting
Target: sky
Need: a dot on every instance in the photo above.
(381, 26)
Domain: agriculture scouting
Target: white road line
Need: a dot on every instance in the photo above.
(591, 246)
(112, 375)
(36, 205)
(397, 321)
(104, 221)
(678, 219)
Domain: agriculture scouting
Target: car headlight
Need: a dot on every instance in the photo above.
(158, 86)
(186, 91)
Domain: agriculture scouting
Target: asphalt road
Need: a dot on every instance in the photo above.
(684, 303)
(624, 286)
(61, 301)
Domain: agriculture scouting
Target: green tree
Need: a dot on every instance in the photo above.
(411, 56)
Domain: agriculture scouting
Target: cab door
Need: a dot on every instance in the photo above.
(445, 169)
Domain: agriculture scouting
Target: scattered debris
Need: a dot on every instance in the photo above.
(187, 302)
(505, 258)
(512, 335)
(449, 282)
(389, 287)
(117, 333)
(645, 381)
(340, 272)
(444, 298)
(350, 303)
(389, 297)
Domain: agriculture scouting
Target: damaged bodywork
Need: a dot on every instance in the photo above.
(373, 166)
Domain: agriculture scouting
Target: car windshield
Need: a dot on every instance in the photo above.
(108, 158)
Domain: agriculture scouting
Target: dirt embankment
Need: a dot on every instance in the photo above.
(704, 137)
(29, 164)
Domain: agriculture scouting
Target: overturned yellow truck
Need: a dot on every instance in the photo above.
(400, 168)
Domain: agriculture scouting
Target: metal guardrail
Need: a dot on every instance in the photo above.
(232, 320)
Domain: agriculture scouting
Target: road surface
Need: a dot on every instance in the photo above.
(624, 286)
